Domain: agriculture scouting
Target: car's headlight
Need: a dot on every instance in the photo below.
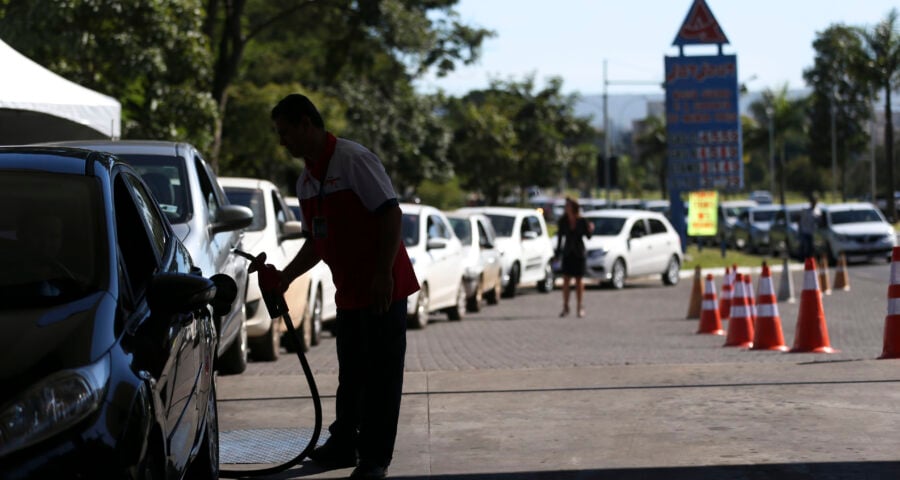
(599, 253)
(52, 405)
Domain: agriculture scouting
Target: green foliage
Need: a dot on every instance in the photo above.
(443, 195)
(148, 54)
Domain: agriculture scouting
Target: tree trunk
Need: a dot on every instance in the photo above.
(889, 152)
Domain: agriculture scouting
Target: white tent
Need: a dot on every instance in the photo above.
(37, 105)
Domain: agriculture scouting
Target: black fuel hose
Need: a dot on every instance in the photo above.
(313, 390)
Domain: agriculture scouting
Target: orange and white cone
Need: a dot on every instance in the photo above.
(892, 321)
(696, 300)
(710, 322)
(725, 301)
(841, 277)
(740, 325)
(767, 327)
(824, 286)
(811, 335)
(750, 296)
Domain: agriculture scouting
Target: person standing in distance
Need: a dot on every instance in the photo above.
(809, 221)
(351, 215)
(570, 233)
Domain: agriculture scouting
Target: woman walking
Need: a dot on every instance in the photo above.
(570, 233)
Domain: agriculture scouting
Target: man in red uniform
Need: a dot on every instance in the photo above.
(352, 217)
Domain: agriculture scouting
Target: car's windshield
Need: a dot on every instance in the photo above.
(462, 229)
(607, 226)
(503, 224)
(764, 216)
(51, 239)
(410, 229)
(855, 216)
(167, 179)
(253, 199)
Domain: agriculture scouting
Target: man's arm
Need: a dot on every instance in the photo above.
(306, 258)
(387, 243)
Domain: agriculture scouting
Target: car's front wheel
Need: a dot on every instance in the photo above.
(617, 278)
(510, 290)
(473, 303)
(673, 269)
(266, 347)
(458, 311)
(546, 283)
(419, 318)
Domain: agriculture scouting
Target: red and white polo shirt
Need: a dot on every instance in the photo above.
(354, 189)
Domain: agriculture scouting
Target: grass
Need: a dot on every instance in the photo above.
(711, 257)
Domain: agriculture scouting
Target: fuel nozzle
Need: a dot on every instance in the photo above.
(270, 283)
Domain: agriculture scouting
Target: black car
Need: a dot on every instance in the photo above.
(107, 343)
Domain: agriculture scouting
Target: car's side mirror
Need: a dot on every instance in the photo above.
(179, 293)
(230, 218)
(434, 243)
(291, 230)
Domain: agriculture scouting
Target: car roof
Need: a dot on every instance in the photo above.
(772, 207)
(54, 159)
(245, 182)
(415, 208)
(499, 210)
(147, 147)
(849, 206)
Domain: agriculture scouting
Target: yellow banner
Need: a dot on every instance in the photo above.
(703, 213)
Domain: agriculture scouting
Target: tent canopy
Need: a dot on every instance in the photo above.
(37, 105)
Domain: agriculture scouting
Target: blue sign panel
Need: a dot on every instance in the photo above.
(703, 124)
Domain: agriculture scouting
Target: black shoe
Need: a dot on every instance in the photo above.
(333, 455)
(369, 471)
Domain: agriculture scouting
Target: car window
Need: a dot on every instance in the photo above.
(462, 228)
(135, 250)
(159, 236)
(607, 226)
(282, 214)
(503, 224)
(485, 235)
(437, 228)
(855, 216)
(251, 198)
(638, 229)
(207, 190)
(764, 215)
(657, 226)
(534, 225)
(167, 179)
(409, 227)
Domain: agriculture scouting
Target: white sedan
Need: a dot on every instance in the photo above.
(437, 257)
(276, 233)
(632, 243)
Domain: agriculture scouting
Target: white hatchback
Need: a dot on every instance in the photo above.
(632, 243)
(858, 230)
(437, 257)
(276, 233)
(525, 247)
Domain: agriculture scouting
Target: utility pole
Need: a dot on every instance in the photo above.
(833, 146)
(606, 139)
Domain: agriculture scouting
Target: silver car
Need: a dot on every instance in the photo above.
(483, 271)
(208, 225)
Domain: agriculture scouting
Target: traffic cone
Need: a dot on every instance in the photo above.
(767, 327)
(710, 322)
(696, 295)
(841, 278)
(824, 286)
(786, 288)
(740, 325)
(811, 334)
(725, 301)
(749, 295)
(892, 321)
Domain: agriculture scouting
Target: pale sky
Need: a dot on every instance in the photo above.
(571, 38)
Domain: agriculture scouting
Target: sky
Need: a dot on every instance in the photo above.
(571, 39)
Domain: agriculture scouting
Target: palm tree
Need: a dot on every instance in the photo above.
(880, 67)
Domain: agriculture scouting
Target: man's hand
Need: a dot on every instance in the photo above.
(382, 291)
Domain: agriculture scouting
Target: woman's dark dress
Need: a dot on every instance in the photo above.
(570, 246)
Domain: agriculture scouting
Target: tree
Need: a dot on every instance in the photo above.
(148, 54)
(788, 118)
(653, 149)
(879, 66)
(837, 98)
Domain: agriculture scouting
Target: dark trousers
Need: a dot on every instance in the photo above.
(807, 248)
(371, 350)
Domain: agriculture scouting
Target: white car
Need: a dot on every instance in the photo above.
(525, 247)
(728, 214)
(437, 257)
(483, 270)
(632, 243)
(856, 230)
(276, 233)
